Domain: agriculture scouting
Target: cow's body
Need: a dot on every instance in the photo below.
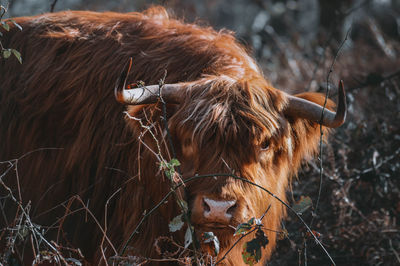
(60, 106)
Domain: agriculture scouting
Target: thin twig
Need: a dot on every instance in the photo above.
(234, 244)
(321, 128)
(262, 216)
(321, 169)
(394, 251)
(136, 230)
(106, 225)
(161, 159)
(237, 241)
(53, 5)
(164, 118)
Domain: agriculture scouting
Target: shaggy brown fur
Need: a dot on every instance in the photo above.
(62, 97)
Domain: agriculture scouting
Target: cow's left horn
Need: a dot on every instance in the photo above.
(299, 107)
(170, 93)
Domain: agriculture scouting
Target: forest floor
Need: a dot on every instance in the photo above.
(359, 208)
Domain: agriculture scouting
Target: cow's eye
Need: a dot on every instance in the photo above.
(265, 145)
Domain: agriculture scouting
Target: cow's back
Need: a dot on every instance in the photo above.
(60, 120)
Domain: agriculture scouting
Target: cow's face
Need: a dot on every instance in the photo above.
(225, 128)
(224, 132)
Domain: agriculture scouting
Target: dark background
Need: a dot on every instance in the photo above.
(295, 43)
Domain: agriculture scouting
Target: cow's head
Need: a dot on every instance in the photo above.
(242, 127)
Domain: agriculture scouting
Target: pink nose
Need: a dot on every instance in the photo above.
(218, 210)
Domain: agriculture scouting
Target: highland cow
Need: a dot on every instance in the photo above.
(90, 167)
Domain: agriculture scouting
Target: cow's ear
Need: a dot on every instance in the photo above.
(137, 110)
(304, 133)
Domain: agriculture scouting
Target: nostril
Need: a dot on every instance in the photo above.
(206, 207)
(219, 210)
(231, 210)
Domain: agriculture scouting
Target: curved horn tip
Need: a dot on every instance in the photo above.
(341, 111)
(121, 82)
(302, 108)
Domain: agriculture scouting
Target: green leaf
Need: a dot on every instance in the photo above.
(169, 167)
(5, 26)
(16, 24)
(169, 173)
(209, 237)
(17, 55)
(163, 165)
(251, 221)
(244, 227)
(302, 205)
(176, 224)
(6, 53)
(174, 162)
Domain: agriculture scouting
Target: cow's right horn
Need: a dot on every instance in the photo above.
(170, 93)
(298, 107)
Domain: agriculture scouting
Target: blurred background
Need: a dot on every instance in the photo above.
(309, 45)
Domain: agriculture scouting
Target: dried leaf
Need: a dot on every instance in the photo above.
(261, 238)
(316, 233)
(303, 204)
(176, 224)
(247, 257)
(188, 237)
(251, 253)
(209, 237)
(74, 261)
(283, 234)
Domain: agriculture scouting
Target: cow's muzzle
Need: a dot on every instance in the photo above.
(215, 213)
